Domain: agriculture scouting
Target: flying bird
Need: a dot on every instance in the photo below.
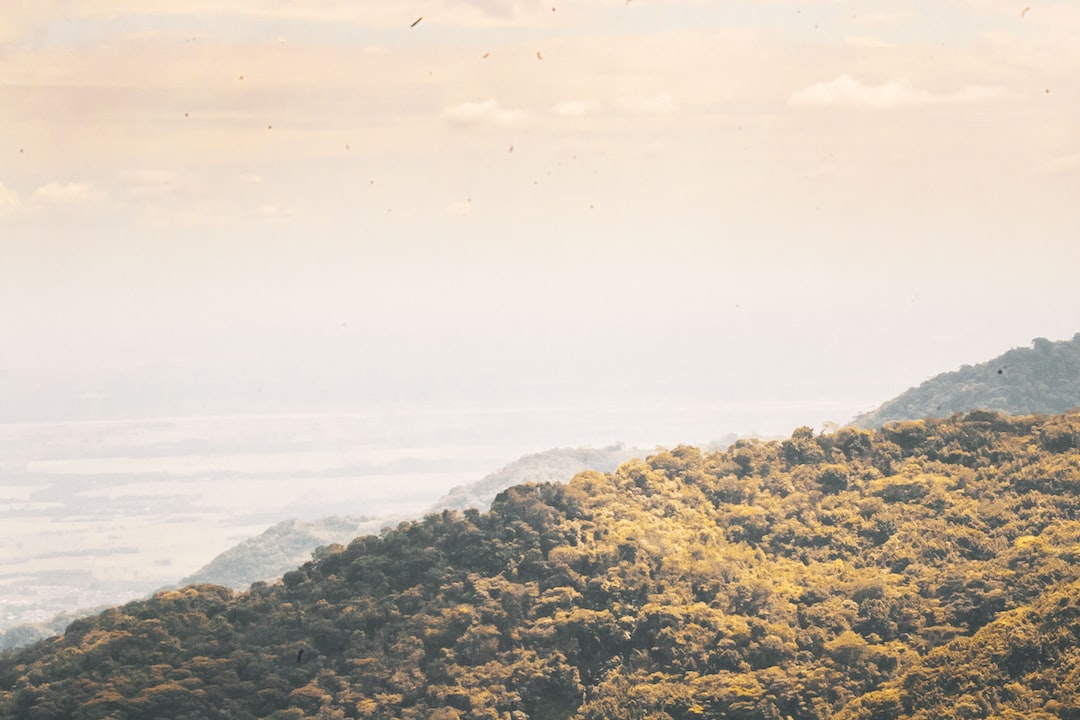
(417, 21)
(485, 55)
(539, 56)
(1024, 12)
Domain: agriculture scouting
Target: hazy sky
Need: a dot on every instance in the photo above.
(525, 202)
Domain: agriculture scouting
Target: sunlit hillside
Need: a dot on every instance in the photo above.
(925, 570)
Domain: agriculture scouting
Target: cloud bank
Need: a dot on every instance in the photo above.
(9, 200)
(845, 91)
(481, 113)
(65, 193)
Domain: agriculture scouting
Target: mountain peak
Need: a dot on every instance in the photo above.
(1044, 378)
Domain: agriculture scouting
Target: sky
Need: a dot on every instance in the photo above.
(263, 206)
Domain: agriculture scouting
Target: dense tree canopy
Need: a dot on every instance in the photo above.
(291, 542)
(926, 570)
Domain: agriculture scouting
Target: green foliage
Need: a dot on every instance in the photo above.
(930, 569)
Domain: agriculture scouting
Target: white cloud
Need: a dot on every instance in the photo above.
(9, 200)
(273, 211)
(573, 108)
(661, 104)
(823, 171)
(372, 13)
(66, 193)
(20, 19)
(462, 208)
(505, 9)
(845, 91)
(478, 113)
(1062, 164)
(153, 183)
(868, 43)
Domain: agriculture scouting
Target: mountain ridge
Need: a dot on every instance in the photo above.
(290, 543)
(1044, 378)
(927, 569)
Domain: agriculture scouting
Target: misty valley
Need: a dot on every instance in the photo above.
(97, 513)
(893, 568)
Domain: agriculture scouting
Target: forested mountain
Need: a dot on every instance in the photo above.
(291, 542)
(929, 569)
(20, 635)
(555, 465)
(280, 548)
(1044, 378)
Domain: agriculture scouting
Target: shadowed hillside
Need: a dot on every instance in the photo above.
(284, 546)
(291, 542)
(929, 569)
(281, 547)
(1044, 378)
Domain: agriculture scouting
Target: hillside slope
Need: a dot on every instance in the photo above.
(280, 548)
(926, 570)
(1044, 378)
(555, 465)
(290, 543)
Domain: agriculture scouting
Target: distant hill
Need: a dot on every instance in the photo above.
(1044, 378)
(26, 634)
(291, 543)
(555, 465)
(929, 569)
(266, 556)
(282, 547)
